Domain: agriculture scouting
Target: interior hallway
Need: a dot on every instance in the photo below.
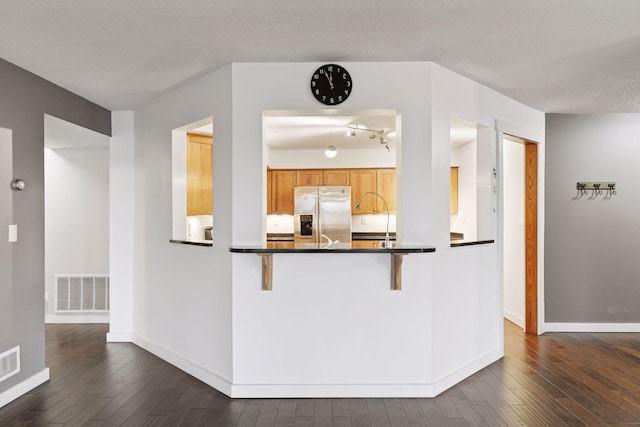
(555, 380)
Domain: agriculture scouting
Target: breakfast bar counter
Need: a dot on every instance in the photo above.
(396, 252)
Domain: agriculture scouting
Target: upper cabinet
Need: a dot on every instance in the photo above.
(386, 185)
(199, 174)
(309, 178)
(362, 182)
(282, 183)
(335, 177)
(381, 181)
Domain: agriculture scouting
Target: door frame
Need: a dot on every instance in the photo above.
(534, 217)
(531, 236)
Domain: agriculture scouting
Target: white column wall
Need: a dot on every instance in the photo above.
(121, 226)
(331, 324)
(173, 300)
(467, 284)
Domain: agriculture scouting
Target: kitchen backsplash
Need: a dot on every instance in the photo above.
(283, 224)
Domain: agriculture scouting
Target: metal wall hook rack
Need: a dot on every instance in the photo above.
(596, 188)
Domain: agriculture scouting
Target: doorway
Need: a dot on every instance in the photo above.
(76, 211)
(520, 234)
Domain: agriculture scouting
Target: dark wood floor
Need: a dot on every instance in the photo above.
(551, 380)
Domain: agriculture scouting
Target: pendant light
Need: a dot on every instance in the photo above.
(330, 151)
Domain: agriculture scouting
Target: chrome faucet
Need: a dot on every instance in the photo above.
(387, 243)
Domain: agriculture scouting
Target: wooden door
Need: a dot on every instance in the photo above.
(335, 177)
(363, 181)
(386, 187)
(282, 183)
(199, 174)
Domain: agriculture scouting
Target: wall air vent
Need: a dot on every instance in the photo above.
(9, 363)
(82, 293)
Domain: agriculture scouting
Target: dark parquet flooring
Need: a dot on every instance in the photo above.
(552, 380)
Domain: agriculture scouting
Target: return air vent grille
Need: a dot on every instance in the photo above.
(9, 363)
(80, 293)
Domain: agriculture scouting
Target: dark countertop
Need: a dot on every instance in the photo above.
(288, 237)
(190, 242)
(309, 248)
(456, 243)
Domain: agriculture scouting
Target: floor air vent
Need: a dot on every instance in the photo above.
(9, 363)
(80, 293)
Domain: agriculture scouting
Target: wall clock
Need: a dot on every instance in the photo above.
(331, 84)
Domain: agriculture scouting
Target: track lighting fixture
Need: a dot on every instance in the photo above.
(380, 135)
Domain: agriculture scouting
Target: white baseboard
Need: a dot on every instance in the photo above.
(592, 327)
(76, 318)
(317, 390)
(466, 371)
(207, 377)
(119, 337)
(24, 387)
(513, 318)
(364, 390)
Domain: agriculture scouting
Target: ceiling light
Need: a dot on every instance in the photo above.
(351, 132)
(330, 152)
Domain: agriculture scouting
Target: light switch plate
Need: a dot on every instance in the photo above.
(13, 233)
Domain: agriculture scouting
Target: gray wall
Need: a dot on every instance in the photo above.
(24, 99)
(592, 267)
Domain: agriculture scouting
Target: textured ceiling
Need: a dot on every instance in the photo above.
(556, 56)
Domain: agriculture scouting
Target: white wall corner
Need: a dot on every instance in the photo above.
(219, 383)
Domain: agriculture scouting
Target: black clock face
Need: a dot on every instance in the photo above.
(331, 84)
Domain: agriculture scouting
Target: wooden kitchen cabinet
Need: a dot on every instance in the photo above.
(381, 181)
(282, 184)
(269, 192)
(199, 174)
(363, 181)
(359, 244)
(454, 191)
(335, 177)
(386, 185)
(309, 177)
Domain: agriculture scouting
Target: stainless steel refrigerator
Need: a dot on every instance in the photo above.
(322, 217)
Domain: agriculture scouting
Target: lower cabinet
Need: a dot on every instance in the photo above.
(364, 243)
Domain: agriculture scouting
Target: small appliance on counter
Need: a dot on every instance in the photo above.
(322, 216)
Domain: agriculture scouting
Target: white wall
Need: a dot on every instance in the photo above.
(467, 289)
(181, 300)
(309, 159)
(298, 334)
(121, 217)
(514, 236)
(76, 207)
(445, 323)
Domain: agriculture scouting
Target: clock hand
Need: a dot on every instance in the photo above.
(330, 78)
